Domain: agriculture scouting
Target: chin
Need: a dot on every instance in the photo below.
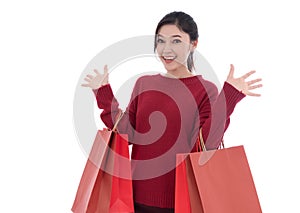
(171, 69)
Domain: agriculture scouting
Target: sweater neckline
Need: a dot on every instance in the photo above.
(188, 79)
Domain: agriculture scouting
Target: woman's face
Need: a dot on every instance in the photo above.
(173, 47)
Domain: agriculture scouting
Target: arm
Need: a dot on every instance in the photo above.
(215, 114)
(218, 119)
(106, 101)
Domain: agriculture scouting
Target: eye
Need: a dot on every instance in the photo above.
(159, 40)
(176, 41)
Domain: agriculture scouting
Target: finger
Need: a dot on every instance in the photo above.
(85, 85)
(253, 94)
(248, 74)
(254, 81)
(87, 79)
(231, 71)
(255, 87)
(96, 71)
(90, 76)
(105, 70)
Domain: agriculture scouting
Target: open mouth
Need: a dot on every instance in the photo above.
(169, 59)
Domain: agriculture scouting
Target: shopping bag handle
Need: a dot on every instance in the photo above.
(120, 115)
(202, 144)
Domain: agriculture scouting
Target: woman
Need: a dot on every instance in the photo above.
(166, 112)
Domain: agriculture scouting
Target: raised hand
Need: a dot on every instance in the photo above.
(241, 84)
(98, 80)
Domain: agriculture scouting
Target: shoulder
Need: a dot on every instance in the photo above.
(147, 77)
(208, 86)
(143, 81)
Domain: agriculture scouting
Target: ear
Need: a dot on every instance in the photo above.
(194, 44)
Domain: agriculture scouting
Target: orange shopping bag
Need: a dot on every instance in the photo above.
(216, 181)
(106, 185)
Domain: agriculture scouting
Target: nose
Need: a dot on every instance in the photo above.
(167, 48)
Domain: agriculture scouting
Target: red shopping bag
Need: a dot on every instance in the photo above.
(105, 185)
(216, 181)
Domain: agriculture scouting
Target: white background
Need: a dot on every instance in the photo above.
(45, 45)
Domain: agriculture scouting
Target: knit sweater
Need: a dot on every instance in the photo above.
(163, 118)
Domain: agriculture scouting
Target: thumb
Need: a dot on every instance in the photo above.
(105, 70)
(231, 71)
(105, 75)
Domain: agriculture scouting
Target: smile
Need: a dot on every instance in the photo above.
(169, 59)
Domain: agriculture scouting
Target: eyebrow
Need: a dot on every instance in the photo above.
(173, 36)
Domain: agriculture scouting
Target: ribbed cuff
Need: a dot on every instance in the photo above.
(233, 96)
(104, 94)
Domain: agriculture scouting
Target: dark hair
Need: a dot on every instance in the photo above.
(185, 23)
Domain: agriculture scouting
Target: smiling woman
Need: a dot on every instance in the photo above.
(176, 37)
(165, 113)
(174, 49)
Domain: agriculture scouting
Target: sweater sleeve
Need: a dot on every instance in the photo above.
(107, 101)
(215, 114)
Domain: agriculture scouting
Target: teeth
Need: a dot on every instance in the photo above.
(169, 57)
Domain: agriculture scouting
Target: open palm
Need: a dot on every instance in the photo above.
(98, 80)
(241, 84)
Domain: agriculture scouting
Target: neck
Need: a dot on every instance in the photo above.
(182, 73)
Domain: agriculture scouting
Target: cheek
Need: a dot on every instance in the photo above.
(159, 49)
(182, 48)
(182, 52)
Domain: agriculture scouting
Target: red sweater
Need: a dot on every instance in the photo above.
(162, 119)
